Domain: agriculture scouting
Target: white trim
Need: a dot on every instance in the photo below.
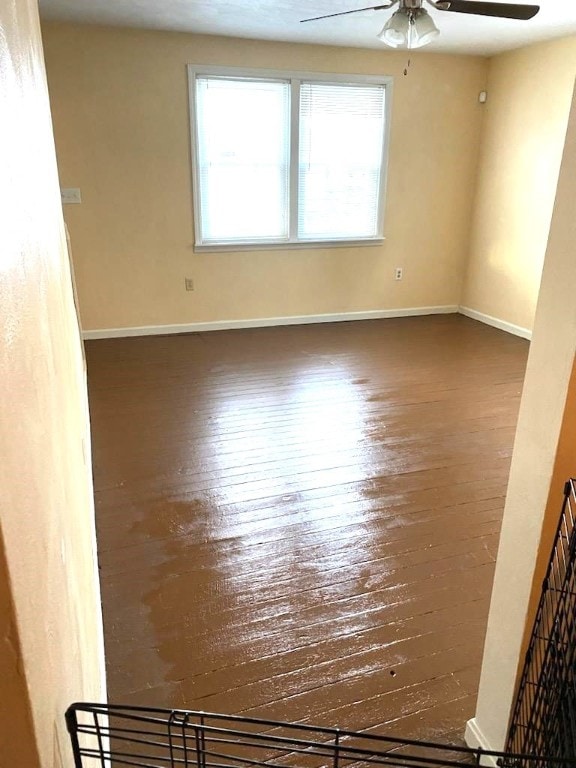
(194, 164)
(294, 153)
(503, 325)
(258, 73)
(475, 739)
(266, 322)
(288, 245)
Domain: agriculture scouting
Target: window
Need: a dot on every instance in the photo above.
(283, 159)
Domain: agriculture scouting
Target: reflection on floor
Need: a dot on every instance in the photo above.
(301, 523)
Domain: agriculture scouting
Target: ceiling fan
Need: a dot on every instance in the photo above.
(411, 26)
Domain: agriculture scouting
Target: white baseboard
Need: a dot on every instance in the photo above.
(517, 330)
(265, 322)
(475, 739)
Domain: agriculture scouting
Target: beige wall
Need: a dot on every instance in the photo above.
(542, 444)
(564, 468)
(529, 94)
(51, 641)
(120, 105)
(16, 745)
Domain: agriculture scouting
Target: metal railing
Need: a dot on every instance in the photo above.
(544, 717)
(106, 736)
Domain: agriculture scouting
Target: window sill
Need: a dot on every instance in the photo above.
(275, 246)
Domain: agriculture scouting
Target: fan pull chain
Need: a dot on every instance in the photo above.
(406, 68)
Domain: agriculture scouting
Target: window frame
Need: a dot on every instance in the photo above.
(294, 78)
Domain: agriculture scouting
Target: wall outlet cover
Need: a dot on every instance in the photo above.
(70, 195)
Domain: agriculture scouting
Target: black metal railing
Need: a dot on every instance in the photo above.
(544, 717)
(107, 736)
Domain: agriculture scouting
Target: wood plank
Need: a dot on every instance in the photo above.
(302, 523)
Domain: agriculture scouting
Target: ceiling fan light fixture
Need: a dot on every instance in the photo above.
(409, 28)
(423, 30)
(396, 31)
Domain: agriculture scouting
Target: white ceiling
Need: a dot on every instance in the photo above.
(279, 20)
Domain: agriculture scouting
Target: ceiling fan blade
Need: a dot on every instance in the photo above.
(356, 10)
(480, 8)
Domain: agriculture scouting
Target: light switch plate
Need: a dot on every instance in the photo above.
(70, 195)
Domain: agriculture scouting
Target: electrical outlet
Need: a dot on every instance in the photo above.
(189, 283)
(70, 195)
(398, 273)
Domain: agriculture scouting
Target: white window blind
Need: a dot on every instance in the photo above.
(243, 159)
(288, 160)
(341, 137)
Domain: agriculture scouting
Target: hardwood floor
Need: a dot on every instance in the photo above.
(301, 523)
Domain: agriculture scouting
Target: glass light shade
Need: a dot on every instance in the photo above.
(396, 31)
(423, 30)
(409, 29)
